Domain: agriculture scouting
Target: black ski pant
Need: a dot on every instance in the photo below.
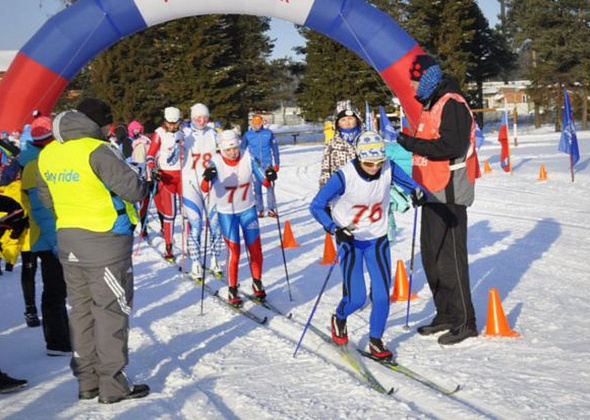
(443, 242)
(53, 299)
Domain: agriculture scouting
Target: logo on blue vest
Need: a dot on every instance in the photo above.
(63, 176)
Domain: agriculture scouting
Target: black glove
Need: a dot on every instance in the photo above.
(210, 173)
(343, 235)
(418, 197)
(404, 140)
(18, 227)
(155, 175)
(270, 174)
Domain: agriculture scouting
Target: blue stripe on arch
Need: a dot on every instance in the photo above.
(82, 31)
(383, 41)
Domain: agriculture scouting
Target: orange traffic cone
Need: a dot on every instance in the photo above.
(329, 251)
(401, 288)
(497, 325)
(486, 167)
(288, 239)
(542, 173)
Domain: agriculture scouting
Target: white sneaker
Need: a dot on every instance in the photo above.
(215, 268)
(197, 272)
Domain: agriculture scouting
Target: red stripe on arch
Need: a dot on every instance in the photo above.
(26, 87)
(397, 77)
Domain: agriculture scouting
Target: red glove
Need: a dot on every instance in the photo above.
(276, 168)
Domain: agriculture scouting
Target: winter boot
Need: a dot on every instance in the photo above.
(9, 267)
(272, 213)
(31, 317)
(433, 328)
(8, 384)
(339, 331)
(215, 268)
(260, 214)
(233, 297)
(378, 349)
(456, 335)
(169, 255)
(258, 288)
(138, 391)
(197, 272)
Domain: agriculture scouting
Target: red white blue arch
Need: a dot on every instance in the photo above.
(57, 52)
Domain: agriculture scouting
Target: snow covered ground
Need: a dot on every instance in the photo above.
(529, 239)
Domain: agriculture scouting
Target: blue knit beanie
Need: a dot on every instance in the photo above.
(428, 82)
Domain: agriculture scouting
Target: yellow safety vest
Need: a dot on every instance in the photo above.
(80, 198)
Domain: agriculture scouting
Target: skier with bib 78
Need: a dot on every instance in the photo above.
(358, 194)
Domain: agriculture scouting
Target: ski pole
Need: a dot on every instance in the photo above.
(272, 188)
(144, 223)
(407, 327)
(317, 301)
(203, 266)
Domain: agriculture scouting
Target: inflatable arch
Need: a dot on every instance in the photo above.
(58, 51)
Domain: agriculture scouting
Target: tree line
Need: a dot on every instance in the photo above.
(223, 61)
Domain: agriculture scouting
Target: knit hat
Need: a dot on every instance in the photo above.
(422, 63)
(134, 127)
(257, 119)
(370, 146)
(172, 115)
(346, 109)
(41, 130)
(199, 110)
(96, 110)
(228, 139)
(428, 83)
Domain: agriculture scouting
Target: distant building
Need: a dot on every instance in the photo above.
(513, 94)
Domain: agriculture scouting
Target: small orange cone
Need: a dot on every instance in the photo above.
(401, 287)
(497, 325)
(542, 173)
(486, 167)
(329, 251)
(288, 239)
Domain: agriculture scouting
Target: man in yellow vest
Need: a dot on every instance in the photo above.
(445, 163)
(91, 189)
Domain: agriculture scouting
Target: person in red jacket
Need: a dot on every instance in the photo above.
(163, 162)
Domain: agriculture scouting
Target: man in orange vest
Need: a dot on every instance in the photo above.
(445, 163)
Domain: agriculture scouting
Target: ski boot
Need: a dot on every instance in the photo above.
(8, 384)
(339, 331)
(258, 288)
(169, 256)
(197, 273)
(233, 297)
(272, 213)
(378, 349)
(215, 268)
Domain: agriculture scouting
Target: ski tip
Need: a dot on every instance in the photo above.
(457, 389)
(391, 391)
(289, 315)
(264, 320)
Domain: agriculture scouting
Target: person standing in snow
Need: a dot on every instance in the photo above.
(43, 243)
(164, 159)
(140, 144)
(445, 162)
(263, 147)
(91, 189)
(199, 147)
(358, 194)
(340, 150)
(229, 179)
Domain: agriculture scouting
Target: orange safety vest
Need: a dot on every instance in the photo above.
(435, 175)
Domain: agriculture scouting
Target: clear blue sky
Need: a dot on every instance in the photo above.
(22, 18)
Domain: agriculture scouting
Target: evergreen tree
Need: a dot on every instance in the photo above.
(555, 34)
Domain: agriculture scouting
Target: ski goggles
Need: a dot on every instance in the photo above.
(373, 163)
